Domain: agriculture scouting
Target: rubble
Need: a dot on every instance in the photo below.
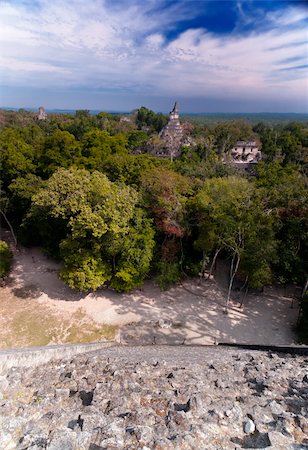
(157, 398)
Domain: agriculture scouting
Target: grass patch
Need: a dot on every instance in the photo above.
(32, 328)
(39, 326)
(91, 333)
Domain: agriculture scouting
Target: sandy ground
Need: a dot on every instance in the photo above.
(189, 313)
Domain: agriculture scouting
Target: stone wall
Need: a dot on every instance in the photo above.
(35, 356)
(158, 398)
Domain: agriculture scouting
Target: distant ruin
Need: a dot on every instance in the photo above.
(171, 137)
(42, 115)
(245, 152)
(172, 133)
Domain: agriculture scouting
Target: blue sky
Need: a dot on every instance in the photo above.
(211, 55)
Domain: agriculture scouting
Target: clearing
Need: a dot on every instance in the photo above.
(38, 309)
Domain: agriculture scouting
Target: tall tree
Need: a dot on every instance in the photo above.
(16, 156)
(232, 219)
(285, 194)
(60, 149)
(165, 194)
(108, 238)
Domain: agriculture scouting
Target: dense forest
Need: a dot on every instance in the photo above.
(85, 189)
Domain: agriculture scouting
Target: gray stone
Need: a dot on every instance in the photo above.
(4, 383)
(157, 397)
(257, 440)
(235, 413)
(8, 442)
(249, 426)
(279, 440)
(261, 415)
(62, 442)
(62, 393)
(222, 384)
(275, 407)
(164, 323)
(303, 423)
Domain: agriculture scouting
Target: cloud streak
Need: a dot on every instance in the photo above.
(125, 48)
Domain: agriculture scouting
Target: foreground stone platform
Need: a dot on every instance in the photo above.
(157, 398)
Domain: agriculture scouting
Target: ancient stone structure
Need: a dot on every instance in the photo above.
(42, 115)
(245, 152)
(171, 135)
(158, 398)
(171, 139)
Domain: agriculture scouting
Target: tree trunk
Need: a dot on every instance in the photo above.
(245, 285)
(233, 271)
(213, 263)
(202, 268)
(10, 227)
(244, 297)
(305, 288)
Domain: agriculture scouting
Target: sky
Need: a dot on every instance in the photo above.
(116, 55)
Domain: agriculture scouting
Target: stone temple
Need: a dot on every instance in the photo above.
(172, 134)
(42, 115)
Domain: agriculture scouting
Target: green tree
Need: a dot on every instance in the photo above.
(146, 118)
(84, 267)
(269, 141)
(284, 190)
(107, 236)
(16, 156)
(132, 253)
(226, 134)
(61, 149)
(291, 147)
(232, 219)
(21, 191)
(96, 147)
(136, 139)
(81, 124)
(5, 259)
(165, 194)
(4, 202)
(129, 169)
(34, 135)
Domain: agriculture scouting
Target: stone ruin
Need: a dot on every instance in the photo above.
(245, 152)
(42, 115)
(172, 133)
(160, 398)
(171, 137)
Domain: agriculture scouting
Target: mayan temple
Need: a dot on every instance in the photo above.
(172, 133)
(42, 115)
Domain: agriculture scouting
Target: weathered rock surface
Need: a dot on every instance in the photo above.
(157, 398)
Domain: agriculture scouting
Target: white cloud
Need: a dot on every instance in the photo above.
(90, 44)
(294, 15)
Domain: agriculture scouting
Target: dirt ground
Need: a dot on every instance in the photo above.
(38, 309)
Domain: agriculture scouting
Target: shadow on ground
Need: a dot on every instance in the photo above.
(190, 313)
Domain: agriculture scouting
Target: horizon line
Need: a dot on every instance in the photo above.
(32, 109)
